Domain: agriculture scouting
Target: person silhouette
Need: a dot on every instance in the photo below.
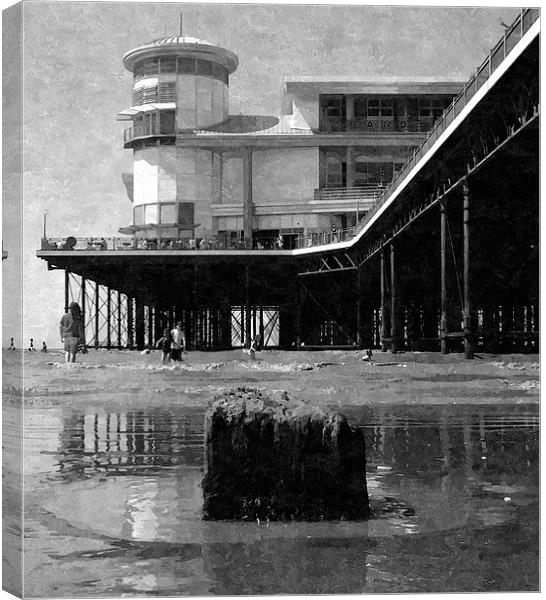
(11, 344)
(31, 347)
(44, 347)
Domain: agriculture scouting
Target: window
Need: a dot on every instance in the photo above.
(151, 214)
(168, 213)
(147, 67)
(432, 107)
(360, 106)
(203, 67)
(167, 122)
(186, 65)
(219, 72)
(137, 97)
(334, 172)
(149, 94)
(380, 107)
(185, 214)
(167, 92)
(167, 64)
(139, 215)
(333, 107)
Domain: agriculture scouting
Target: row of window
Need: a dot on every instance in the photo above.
(180, 64)
(179, 213)
(364, 107)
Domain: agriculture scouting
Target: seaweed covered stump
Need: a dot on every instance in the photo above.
(281, 460)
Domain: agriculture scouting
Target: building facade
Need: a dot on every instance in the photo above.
(236, 181)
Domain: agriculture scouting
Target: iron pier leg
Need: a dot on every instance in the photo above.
(119, 319)
(298, 314)
(248, 308)
(194, 333)
(108, 319)
(443, 283)
(84, 316)
(97, 286)
(467, 316)
(139, 325)
(130, 341)
(384, 303)
(359, 328)
(151, 319)
(394, 306)
(66, 288)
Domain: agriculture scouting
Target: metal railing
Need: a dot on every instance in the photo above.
(369, 192)
(496, 56)
(77, 244)
(146, 129)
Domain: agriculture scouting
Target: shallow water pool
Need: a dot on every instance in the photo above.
(113, 501)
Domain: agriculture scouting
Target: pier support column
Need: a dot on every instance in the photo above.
(443, 282)
(97, 289)
(119, 320)
(298, 303)
(130, 341)
(395, 329)
(248, 308)
(247, 197)
(384, 303)
(359, 326)
(467, 311)
(66, 289)
(108, 318)
(139, 325)
(83, 307)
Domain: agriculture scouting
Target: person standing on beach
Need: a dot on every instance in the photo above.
(31, 347)
(179, 342)
(12, 344)
(165, 344)
(71, 331)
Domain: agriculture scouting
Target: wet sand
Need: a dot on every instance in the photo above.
(330, 377)
(113, 454)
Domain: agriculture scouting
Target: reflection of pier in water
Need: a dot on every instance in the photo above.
(432, 442)
(132, 442)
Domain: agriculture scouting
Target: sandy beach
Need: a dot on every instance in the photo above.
(336, 378)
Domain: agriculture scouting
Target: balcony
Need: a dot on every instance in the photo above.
(366, 194)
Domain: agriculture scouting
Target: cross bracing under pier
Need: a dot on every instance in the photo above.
(447, 259)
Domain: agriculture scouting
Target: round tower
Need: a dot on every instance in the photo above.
(181, 85)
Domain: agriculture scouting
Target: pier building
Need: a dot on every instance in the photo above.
(370, 212)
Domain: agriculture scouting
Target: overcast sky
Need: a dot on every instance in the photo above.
(75, 84)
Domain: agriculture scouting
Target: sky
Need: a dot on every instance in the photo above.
(74, 84)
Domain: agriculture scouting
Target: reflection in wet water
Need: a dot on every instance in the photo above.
(454, 488)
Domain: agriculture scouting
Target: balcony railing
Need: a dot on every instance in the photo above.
(366, 193)
(147, 129)
(74, 244)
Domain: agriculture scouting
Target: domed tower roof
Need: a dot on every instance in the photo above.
(182, 46)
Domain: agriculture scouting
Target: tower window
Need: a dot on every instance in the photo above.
(203, 67)
(186, 65)
(167, 64)
(167, 92)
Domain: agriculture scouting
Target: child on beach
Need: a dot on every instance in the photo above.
(164, 344)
